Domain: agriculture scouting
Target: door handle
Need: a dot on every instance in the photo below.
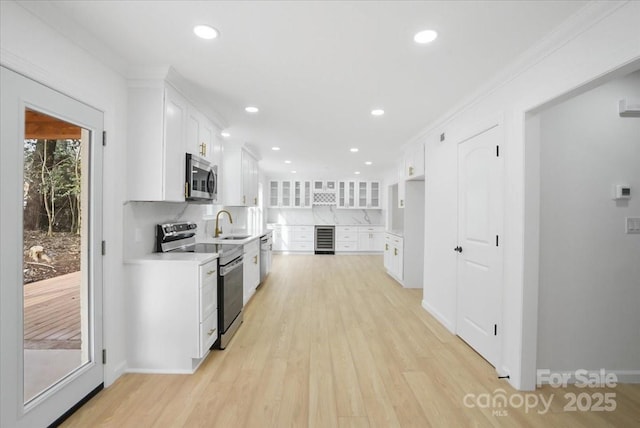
(458, 249)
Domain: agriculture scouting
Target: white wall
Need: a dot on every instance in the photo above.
(602, 38)
(589, 288)
(31, 47)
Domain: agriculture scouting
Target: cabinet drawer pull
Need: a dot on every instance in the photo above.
(386, 247)
(210, 332)
(255, 260)
(211, 272)
(395, 251)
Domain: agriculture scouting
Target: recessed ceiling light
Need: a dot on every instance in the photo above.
(377, 112)
(287, 161)
(251, 109)
(353, 150)
(205, 32)
(424, 37)
(293, 172)
(225, 134)
(275, 149)
(357, 173)
(368, 163)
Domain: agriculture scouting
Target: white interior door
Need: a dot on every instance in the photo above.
(51, 359)
(480, 255)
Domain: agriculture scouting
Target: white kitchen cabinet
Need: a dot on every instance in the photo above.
(371, 238)
(302, 238)
(251, 269)
(368, 194)
(239, 176)
(414, 162)
(324, 186)
(394, 256)
(282, 236)
(157, 132)
(346, 194)
(200, 136)
(172, 314)
(280, 194)
(401, 185)
(346, 238)
(302, 195)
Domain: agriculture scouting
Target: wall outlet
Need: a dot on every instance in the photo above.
(632, 225)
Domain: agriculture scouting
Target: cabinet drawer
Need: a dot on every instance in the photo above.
(208, 299)
(349, 236)
(348, 229)
(208, 333)
(209, 273)
(303, 236)
(308, 229)
(301, 246)
(369, 229)
(346, 246)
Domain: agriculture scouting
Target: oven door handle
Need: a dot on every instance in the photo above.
(231, 267)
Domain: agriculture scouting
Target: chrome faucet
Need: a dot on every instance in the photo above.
(218, 230)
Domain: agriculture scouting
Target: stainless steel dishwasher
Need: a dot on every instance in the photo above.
(266, 247)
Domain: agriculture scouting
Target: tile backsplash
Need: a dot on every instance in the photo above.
(324, 215)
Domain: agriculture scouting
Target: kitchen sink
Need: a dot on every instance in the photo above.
(239, 237)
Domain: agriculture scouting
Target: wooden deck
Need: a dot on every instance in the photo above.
(52, 313)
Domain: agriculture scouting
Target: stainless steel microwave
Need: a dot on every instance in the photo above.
(201, 182)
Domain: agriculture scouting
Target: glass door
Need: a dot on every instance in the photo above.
(51, 264)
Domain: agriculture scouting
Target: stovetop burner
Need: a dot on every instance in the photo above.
(179, 237)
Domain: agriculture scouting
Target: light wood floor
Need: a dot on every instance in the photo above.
(332, 341)
(52, 313)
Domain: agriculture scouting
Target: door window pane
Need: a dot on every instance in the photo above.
(55, 259)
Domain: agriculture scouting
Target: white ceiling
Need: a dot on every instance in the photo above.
(317, 69)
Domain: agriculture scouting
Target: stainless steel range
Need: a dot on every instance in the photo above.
(180, 237)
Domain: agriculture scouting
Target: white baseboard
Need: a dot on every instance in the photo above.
(437, 315)
(111, 376)
(159, 371)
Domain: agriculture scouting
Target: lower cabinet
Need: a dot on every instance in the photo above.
(370, 238)
(251, 269)
(293, 238)
(172, 314)
(394, 255)
(346, 238)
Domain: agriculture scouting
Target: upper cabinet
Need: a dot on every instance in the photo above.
(156, 153)
(239, 176)
(368, 194)
(281, 194)
(414, 162)
(302, 195)
(202, 137)
(324, 186)
(346, 194)
(163, 125)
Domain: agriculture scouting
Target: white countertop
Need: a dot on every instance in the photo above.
(396, 232)
(175, 257)
(221, 240)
